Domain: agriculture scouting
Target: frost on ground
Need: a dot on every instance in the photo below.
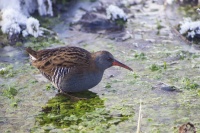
(16, 17)
(113, 12)
(190, 28)
(127, 3)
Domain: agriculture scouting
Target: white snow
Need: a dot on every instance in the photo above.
(198, 10)
(45, 9)
(16, 14)
(191, 34)
(32, 27)
(187, 25)
(113, 12)
(25, 33)
(129, 2)
(169, 1)
(11, 19)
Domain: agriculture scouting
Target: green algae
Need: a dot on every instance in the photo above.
(4, 39)
(159, 26)
(165, 65)
(116, 109)
(10, 92)
(190, 84)
(189, 11)
(89, 114)
(108, 85)
(154, 67)
(7, 70)
(120, 22)
(48, 87)
(41, 42)
(140, 56)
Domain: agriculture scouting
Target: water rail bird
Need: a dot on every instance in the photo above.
(72, 69)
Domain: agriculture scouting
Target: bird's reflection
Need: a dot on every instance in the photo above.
(63, 112)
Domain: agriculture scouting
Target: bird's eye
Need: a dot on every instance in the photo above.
(110, 59)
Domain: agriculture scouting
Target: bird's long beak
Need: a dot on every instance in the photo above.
(117, 63)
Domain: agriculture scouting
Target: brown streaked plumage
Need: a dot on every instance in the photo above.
(73, 69)
(187, 128)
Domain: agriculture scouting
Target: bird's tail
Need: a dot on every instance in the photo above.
(32, 53)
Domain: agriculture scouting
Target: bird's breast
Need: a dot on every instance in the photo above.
(81, 82)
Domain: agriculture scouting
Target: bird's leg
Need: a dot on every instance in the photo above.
(73, 97)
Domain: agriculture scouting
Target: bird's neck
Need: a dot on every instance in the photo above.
(95, 66)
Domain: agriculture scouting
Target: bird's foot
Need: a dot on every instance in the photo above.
(74, 98)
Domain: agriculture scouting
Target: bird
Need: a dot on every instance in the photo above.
(187, 128)
(72, 69)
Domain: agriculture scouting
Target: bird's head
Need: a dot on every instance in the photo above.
(105, 59)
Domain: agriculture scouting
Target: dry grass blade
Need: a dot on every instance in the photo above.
(139, 118)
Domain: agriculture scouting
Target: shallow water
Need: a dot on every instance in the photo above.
(30, 104)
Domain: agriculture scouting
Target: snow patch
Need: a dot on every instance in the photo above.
(16, 17)
(113, 12)
(32, 27)
(191, 27)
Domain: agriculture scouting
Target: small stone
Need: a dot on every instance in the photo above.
(127, 36)
(150, 40)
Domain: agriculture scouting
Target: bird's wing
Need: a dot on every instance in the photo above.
(64, 58)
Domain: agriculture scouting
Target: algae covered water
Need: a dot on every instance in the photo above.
(165, 77)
